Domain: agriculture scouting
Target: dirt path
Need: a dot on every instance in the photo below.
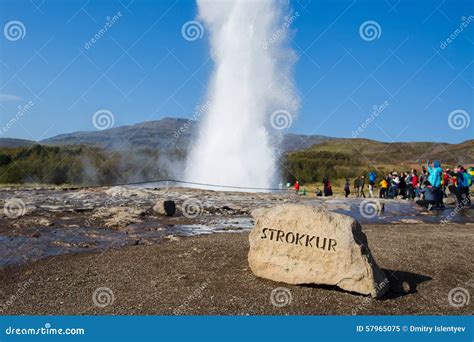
(210, 275)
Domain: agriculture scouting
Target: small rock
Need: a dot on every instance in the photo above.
(173, 238)
(409, 221)
(400, 287)
(165, 207)
(45, 222)
(82, 210)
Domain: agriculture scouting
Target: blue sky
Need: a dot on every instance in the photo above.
(143, 69)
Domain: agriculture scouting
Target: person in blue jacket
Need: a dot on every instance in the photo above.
(372, 178)
(470, 180)
(462, 187)
(430, 196)
(434, 177)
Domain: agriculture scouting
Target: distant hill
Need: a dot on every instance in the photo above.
(348, 158)
(164, 134)
(296, 142)
(157, 149)
(376, 152)
(11, 142)
(161, 134)
(176, 133)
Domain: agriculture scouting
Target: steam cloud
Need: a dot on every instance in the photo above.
(251, 80)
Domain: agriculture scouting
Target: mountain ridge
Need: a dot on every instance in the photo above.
(165, 134)
(177, 133)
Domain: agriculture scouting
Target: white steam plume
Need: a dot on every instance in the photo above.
(252, 79)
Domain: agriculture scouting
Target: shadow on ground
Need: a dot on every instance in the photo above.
(403, 283)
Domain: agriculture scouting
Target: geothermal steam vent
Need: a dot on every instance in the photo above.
(299, 244)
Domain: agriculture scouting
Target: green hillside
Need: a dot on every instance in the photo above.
(343, 158)
(76, 165)
(337, 159)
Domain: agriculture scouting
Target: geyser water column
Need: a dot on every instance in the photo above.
(252, 79)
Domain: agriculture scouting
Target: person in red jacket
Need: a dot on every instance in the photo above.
(415, 180)
(445, 182)
(297, 187)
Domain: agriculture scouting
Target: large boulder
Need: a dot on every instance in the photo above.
(300, 244)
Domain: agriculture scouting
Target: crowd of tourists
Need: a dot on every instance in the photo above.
(428, 187)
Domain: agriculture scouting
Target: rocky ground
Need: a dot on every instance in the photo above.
(210, 275)
(37, 223)
(168, 273)
(118, 207)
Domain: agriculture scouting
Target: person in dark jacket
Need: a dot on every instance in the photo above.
(327, 187)
(356, 186)
(402, 186)
(409, 189)
(430, 196)
(423, 177)
(361, 186)
(394, 183)
(347, 188)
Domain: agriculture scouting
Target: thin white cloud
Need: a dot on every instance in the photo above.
(9, 97)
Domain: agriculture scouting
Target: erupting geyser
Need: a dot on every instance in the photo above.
(252, 79)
